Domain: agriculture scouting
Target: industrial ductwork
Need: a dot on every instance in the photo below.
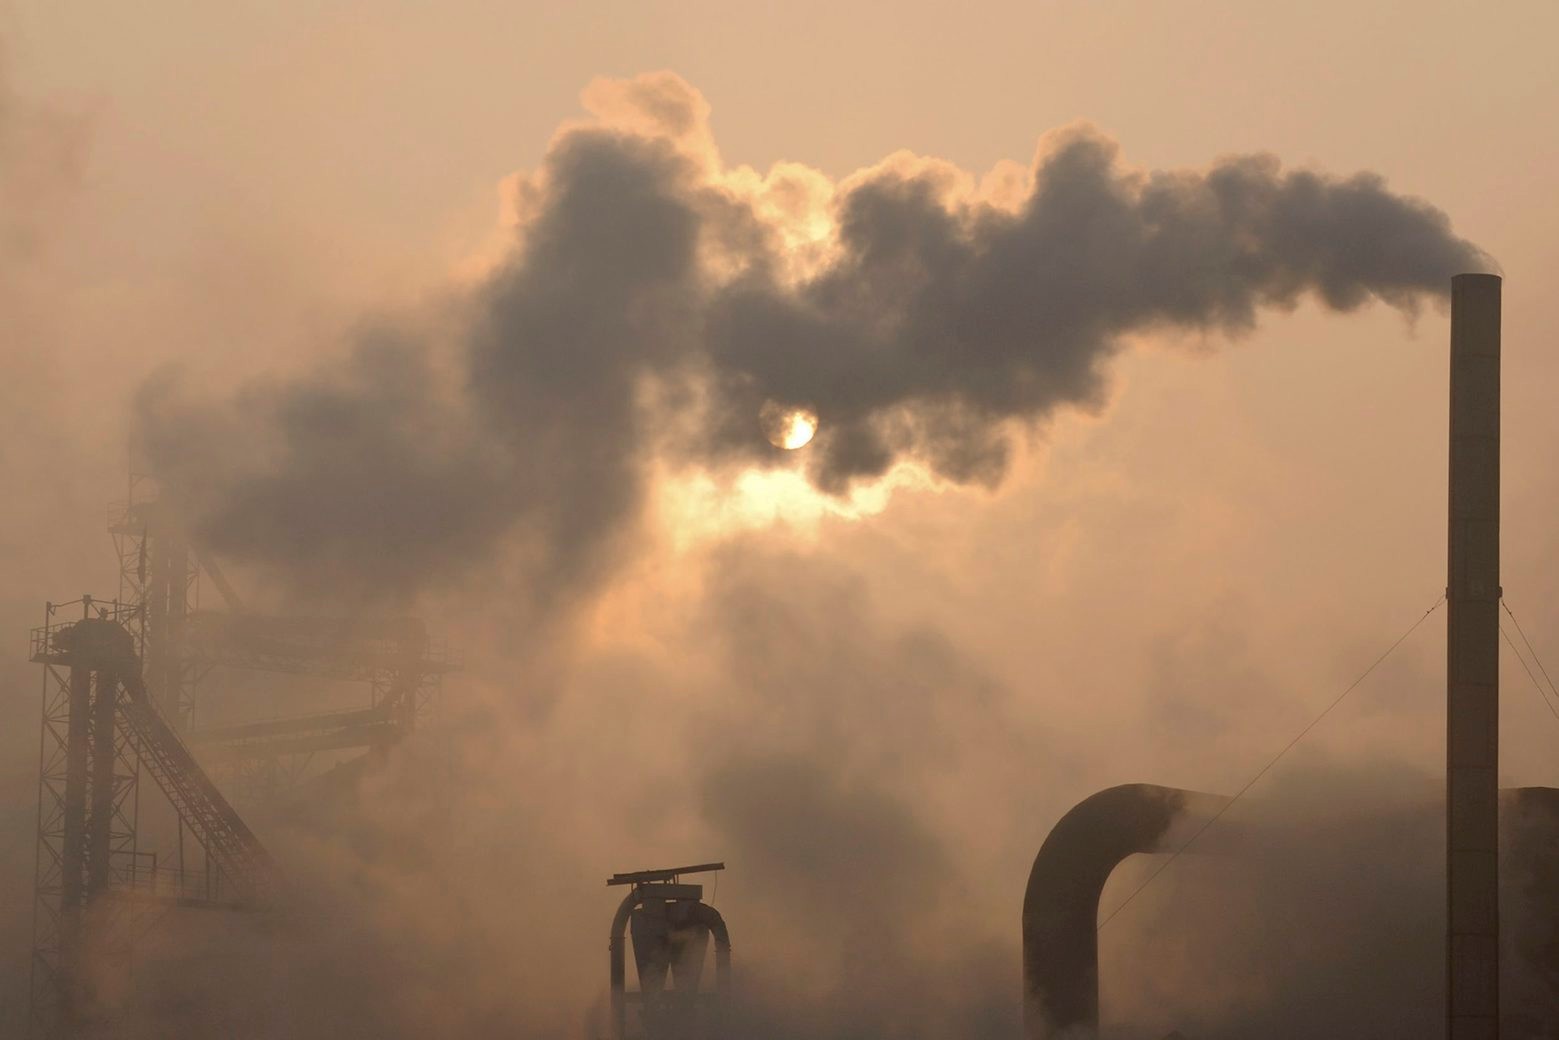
(1061, 904)
(670, 927)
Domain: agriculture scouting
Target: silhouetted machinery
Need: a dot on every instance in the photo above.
(1493, 980)
(124, 697)
(96, 887)
(670, 926)
(259, 755)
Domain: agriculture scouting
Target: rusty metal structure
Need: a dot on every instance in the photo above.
(670, 926)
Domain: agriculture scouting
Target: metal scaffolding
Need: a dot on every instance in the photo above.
(95, 888)
(125, 687)
(159, 584)
(182, 643)
(401, 667)
(81, 747)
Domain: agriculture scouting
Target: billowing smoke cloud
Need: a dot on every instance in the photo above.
(942, 315)
(654, 301)
(877, 791)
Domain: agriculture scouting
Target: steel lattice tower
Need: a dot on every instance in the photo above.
(122, 689)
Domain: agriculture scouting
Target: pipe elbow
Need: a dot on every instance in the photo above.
(1061, 901)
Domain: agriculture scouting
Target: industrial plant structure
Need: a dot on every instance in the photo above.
(123, 698)
(1061, 902)
(124, 687)
(670, 926)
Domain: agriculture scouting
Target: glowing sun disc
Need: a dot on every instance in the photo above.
(787, 427)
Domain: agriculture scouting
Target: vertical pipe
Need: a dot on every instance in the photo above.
(619, 966)
(74, 815)
(722, 938)
(73, 844)
(619, 985)
(1472, 664)
(100, 819)
(723, 993)
(176, 691)
(157, 601)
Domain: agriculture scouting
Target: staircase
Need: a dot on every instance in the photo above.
(229, 842)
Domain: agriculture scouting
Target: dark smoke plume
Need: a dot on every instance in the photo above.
(655, 301)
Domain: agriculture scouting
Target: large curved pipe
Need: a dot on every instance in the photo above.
(710, 918)
(1061, 903)
(706, 916)
(619, 968)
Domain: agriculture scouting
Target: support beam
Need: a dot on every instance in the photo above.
(100, 814)
(73, 848)
(1472, 664)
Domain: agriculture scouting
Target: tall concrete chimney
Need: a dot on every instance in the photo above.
(1472, 665)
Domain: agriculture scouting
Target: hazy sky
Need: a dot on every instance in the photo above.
(1163, 591)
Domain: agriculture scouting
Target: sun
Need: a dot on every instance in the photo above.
(787, 427)
(798, 430)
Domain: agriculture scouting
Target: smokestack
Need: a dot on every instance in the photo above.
(1472, 664)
